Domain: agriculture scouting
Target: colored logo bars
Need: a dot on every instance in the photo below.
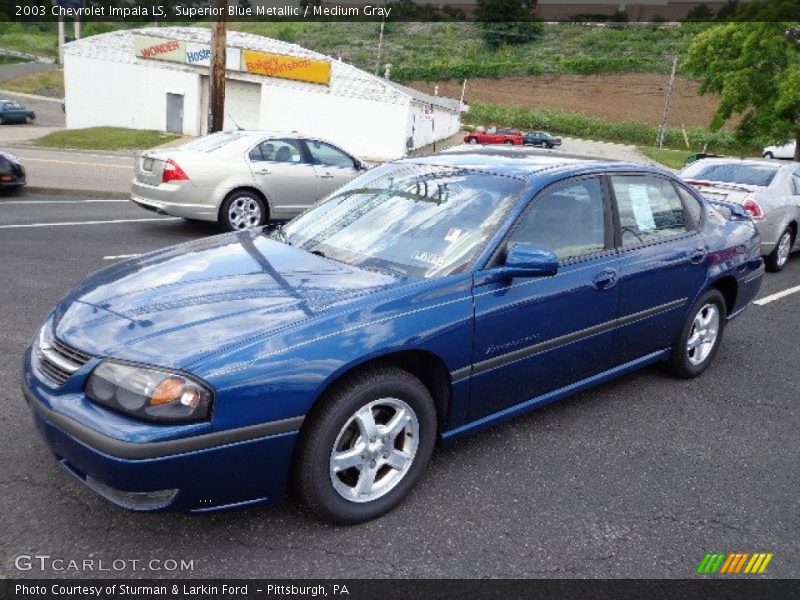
(734, 563)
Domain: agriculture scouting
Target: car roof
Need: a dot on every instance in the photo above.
(525, 163)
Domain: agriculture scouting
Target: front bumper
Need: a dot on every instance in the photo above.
(200, 474)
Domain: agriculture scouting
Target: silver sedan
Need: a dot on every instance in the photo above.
(768, 191)
(241, 179)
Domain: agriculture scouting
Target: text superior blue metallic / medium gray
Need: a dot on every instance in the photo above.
(426, 299)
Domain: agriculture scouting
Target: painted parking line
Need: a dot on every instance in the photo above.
(777, 296)
(74, 162)
(110, 222)
(4, 202)
(121, 256)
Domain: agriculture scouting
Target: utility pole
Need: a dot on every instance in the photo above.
(77, 28)
(662, 129)
(380, 49)
(216, 91)
(61, 37)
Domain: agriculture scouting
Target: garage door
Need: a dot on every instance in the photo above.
(242, 105)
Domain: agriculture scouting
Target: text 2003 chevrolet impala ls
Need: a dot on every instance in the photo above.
(426, 299)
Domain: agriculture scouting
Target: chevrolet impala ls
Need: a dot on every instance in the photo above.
(426, 299)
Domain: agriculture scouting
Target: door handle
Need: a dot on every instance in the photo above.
(605, 279)
(264, 172)
(326, 176)
(697, 255)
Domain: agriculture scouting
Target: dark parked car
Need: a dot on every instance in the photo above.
(426, 299)
(14, 112)
(495, 135)
(540, 138)
(12, 173)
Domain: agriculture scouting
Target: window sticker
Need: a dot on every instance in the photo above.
(642, 211)
(428, 257)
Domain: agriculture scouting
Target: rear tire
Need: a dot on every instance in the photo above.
(472, 140)
(384, 421)
(701, 336)
(508, 143)
(768, 155)
(779, 256)
(243, 210)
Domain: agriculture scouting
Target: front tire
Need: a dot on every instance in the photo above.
(768, 155)
(508, 143)
(365, 445)
(472, 140)
(701, 336)
(243, 210)
(779, 256)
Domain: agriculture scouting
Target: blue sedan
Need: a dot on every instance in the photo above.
(425, 300)
(14, 112)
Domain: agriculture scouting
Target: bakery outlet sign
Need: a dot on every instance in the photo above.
(258, 63)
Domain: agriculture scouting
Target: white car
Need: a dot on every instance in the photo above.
(241, 179)
(782, 151)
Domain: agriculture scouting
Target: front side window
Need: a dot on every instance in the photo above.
(410, 220)
(282, 151)
(328, 156)
(568, 219)
(649, 209)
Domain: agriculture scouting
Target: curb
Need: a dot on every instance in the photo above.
(30, 96)
(93, 194)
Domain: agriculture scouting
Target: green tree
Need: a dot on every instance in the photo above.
(755, 69)
(507, 21)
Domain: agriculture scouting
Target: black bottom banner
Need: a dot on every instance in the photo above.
(405, 589)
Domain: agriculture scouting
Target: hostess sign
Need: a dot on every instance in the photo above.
(250, 61)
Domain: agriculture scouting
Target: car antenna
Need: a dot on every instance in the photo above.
(238, 127)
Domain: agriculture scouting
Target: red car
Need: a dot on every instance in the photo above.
(495, 135)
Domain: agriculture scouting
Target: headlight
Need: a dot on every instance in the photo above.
(149, 393)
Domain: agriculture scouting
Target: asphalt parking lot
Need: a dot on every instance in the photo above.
(637, 478)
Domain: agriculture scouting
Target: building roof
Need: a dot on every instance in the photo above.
(346, 79)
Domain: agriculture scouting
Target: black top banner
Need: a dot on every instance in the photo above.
(500, 11)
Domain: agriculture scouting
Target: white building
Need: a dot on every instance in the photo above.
(157, 78)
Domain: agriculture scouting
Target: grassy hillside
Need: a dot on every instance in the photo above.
(433, 51)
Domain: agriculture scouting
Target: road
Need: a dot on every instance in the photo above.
(48, 110)
(101, 173)
(637, 478)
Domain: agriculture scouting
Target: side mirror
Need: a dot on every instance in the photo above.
(360, 166)
(525, 260)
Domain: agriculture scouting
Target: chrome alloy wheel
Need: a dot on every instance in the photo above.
(703, 336)
(374, 450)
(244, 213)
(784, 247)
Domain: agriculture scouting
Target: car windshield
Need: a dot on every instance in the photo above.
(760, 175)
(213, 142)
(411, 220)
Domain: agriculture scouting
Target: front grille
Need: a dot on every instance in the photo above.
(58, 361)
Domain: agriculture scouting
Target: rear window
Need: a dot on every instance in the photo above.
(213, 142)
(760, 175)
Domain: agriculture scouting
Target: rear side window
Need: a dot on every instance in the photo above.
(694, 208)
(760, 175)
(567, 219)
(649, 209)
(282, 151)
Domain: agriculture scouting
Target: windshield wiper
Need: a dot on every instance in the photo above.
(279, 233)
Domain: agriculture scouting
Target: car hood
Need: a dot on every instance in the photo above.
(177, 306)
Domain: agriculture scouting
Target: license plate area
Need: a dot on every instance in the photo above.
(147, 164)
